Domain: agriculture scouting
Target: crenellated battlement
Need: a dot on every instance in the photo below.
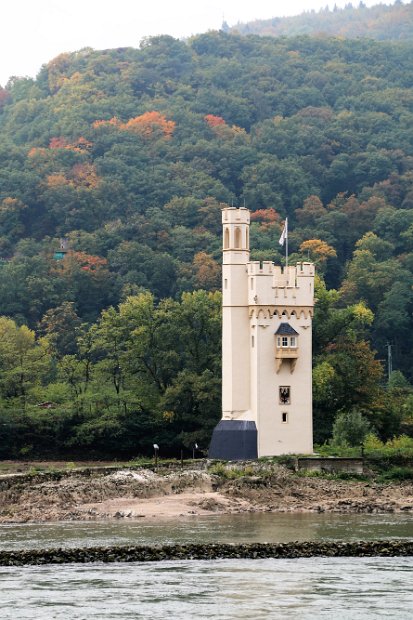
(271, 284)
(282, 276)
(305, 269)
(261, 268)
(235, 215)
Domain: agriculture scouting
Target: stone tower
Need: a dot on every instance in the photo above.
(266, 351)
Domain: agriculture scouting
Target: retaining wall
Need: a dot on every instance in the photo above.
(147, 553)
(332, 464)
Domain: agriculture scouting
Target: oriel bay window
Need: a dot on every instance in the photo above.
(286, 346)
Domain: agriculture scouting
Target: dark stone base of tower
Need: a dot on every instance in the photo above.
(234, 440)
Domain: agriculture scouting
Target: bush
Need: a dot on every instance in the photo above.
(350, 429)
(397, 446)
(396, 473)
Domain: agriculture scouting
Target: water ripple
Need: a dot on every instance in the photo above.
(345, 588)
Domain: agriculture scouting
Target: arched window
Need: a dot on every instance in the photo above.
(238, 238)
(226, 239)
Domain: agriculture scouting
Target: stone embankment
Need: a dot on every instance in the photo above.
(207, 552)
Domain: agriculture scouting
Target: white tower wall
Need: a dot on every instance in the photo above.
(260, 299)
(235, 321)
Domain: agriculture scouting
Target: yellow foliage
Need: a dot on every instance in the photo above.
(84, 175)
(319, 250)
(362, 313)
(57, 180)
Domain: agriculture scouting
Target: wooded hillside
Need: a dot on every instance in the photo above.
(382, 22)
(129, 154)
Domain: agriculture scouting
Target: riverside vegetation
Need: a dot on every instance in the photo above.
(129, 155)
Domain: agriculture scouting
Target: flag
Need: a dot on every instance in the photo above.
(284, 234)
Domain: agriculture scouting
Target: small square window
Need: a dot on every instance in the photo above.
(284, 417)
(285, 395)
(284, 341)
(292, 341)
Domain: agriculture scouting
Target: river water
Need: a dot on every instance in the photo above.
(342, 588)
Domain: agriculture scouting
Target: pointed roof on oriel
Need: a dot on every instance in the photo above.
(285, 329)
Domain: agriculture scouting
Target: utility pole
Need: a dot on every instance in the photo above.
(389, 361)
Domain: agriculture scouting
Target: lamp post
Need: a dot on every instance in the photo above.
(156, 450)
(195, 447)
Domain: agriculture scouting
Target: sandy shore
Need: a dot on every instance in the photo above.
(169, 506)
(143, 494)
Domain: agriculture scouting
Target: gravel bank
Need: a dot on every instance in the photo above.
(142, 493)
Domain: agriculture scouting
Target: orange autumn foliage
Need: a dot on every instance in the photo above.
(86, 262)
(311, 211)
(214, 121)
(267, 218)
(80, 175)
(221, 129)
(89, 262)
(35, 151)
(265, 215)
(147, 125)
(80, 145)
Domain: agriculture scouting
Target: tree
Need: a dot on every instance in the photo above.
(24, 361)
(59, 325)
(148, 125)
(319, 251)
(207, 272)
(350, 429)
(346, 373)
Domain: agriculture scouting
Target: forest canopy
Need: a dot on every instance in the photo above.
(128, 156)
(382, 21)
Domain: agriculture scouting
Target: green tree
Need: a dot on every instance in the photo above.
(25, 363)
(350, 429)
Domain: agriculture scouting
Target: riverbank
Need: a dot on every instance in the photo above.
(128, 493)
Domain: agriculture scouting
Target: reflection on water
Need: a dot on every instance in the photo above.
(304, 589)
(261, 527)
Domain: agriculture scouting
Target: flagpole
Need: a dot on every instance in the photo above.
(284, 239)
(286, 246)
